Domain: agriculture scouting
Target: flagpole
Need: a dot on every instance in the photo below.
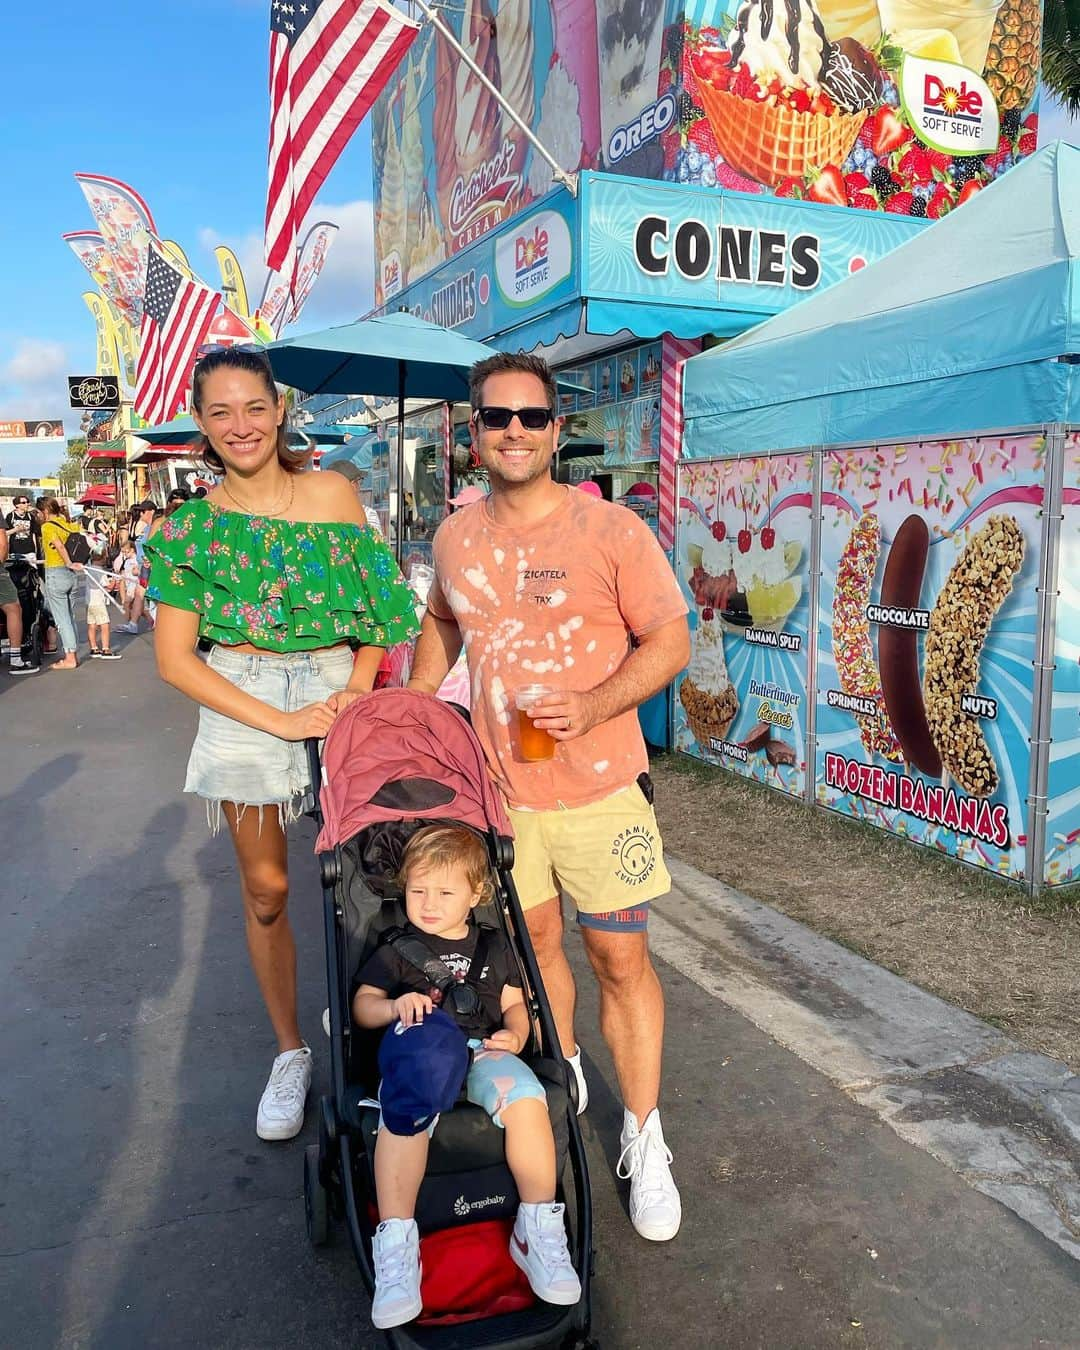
(568, 180)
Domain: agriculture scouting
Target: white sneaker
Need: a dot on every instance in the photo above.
(281, 1107)
(655, 1207)
(18, 666)
(395, 1248)
(574, 1061)
(127, 627)
(538, 1248)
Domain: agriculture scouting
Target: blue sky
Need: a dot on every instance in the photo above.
(172, 99)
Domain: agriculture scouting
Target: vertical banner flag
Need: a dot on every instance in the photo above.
(89, 247)
(275, 300)
(233, 287)
(329, 61)
(312, 257)
(127, 342)
(126, 226)
(176, 315)
(108, 360)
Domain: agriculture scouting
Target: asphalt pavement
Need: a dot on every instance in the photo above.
(139, 1209)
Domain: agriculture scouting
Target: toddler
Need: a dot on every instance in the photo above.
(445, 875)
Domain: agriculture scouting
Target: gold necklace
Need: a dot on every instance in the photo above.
(290, 488)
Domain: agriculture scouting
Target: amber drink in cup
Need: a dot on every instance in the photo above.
(536, 744)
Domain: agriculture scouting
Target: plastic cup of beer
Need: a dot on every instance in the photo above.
(536, 744)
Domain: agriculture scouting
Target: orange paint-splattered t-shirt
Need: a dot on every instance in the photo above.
(555, 604)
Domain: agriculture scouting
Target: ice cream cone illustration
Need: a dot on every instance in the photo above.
(770, 97)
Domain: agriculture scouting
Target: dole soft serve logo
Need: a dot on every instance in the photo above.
(533, 258)
(392, 279)
(950, 107)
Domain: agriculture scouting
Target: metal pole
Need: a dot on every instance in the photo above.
(1046, 621)
(400, 546)
(817, 457)
(568, 180)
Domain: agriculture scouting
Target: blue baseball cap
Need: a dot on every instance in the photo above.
(422, 1068)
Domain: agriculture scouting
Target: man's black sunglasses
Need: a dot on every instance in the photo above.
(498, 419)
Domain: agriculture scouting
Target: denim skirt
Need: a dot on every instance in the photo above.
(231, 762)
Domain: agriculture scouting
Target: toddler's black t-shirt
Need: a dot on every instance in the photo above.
(388, 971)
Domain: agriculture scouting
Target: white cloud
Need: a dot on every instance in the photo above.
(346, 288)
(35, 361)
(33, 384)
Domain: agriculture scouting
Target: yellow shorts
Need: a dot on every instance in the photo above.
(607, 855)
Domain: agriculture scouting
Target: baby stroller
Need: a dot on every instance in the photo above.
(25, 573)
(393, 762)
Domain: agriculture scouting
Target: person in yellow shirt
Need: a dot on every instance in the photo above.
(61, 578)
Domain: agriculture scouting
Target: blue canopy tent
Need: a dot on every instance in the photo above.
(959, 330)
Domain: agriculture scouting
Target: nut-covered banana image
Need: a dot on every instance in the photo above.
(974, 591)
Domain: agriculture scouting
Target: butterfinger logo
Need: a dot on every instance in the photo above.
(634, 851)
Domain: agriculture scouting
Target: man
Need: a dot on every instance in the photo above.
(354, 474)
(544, 583)
(23, 531)
(12, 610)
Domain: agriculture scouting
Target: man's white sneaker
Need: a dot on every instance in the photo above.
(395, 1248)
(655, 1207)
(574, 1061)
(281, 1107)
(538, 1248)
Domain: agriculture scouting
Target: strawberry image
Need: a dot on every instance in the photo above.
(940, 160)
(866, 200)
(853, 184)
(940, 204)
(701, 137)
(1031, 122)
(1027, 143)
(914, 165)
(969, 191)
(727, 177)
(889, 132)
(789, 187)
(899, 204)
(828, 186)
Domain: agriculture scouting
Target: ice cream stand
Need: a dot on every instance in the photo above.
(879, 537)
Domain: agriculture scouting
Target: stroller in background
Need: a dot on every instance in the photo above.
(392, 763)
(25, 573)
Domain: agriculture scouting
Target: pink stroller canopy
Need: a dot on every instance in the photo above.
(392, 745)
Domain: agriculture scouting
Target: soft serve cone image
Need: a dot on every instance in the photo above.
(774, 98)
(391, 226)
(412, 155)
(630, 36)
(467, 125)
(958, 30)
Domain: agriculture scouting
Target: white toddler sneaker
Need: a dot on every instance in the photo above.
(281, 1107)
(395, 1248)
(655, 1207)
(538, 1248)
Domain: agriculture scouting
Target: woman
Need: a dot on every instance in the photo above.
(61, 578)
(279, 571)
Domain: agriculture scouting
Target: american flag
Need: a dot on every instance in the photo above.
(176, 315)
(329, 61)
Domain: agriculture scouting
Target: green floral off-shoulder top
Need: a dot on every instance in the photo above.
(284, 585)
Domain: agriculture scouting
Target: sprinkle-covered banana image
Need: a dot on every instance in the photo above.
(853, 650)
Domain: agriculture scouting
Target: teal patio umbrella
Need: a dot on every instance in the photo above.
(390, 354)
(182, 431)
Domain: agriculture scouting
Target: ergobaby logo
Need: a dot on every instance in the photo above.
(462, 1207)
(634, 851)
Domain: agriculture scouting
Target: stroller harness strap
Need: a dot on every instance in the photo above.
(438, 974)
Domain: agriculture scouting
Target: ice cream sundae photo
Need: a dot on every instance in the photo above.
(747, 579)
(781, 95)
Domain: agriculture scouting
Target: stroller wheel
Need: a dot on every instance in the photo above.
(316, 1209)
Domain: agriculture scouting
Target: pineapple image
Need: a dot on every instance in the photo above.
(1012, 63)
